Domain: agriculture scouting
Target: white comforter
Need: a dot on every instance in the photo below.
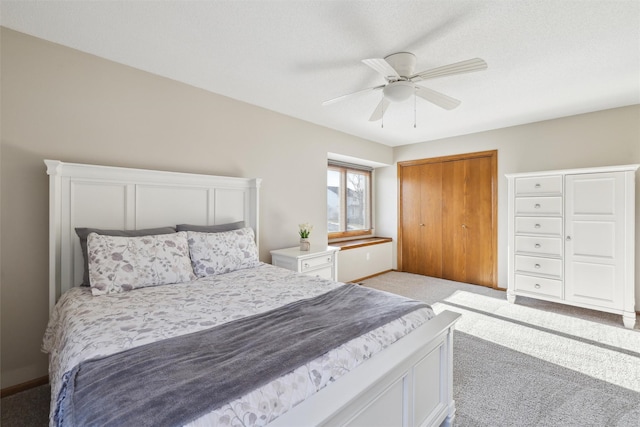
(83, 327)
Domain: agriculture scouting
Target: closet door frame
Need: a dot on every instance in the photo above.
(493, 155)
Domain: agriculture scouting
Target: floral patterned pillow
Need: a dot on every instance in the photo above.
(120, 264)
(218, 253)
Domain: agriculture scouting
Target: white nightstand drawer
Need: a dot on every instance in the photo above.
(539, 245)
(321, 261)
(315, 262)
(539, 206)
(539, 185)
(532, 225)
(325, 273)
(539, 285)
(539, 265)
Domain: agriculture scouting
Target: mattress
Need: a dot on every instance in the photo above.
(83, 327)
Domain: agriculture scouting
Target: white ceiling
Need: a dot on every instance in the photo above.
(547, 58)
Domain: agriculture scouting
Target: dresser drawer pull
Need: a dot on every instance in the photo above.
(537, 266)
(537, 226)
(537, 286)
(328, 259)
(537, 245)
(538, 185)
(306, 265)
(537, 206)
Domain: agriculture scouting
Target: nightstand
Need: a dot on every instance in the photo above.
(320, 261)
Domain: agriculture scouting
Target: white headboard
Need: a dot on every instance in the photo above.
(128, 199)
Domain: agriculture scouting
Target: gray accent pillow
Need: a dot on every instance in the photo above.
(217, 228)
(83, 233)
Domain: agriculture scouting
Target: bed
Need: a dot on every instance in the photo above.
(395, 371)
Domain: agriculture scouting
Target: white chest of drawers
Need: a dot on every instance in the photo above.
(319, 261)
(571, 238)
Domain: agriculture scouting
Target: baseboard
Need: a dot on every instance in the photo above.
(369, 277)
(24, 386)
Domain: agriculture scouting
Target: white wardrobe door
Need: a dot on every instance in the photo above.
(594, 242)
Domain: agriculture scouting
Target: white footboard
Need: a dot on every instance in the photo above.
(408, 384)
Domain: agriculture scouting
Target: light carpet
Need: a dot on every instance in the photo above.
(532, 363)
(604, 352)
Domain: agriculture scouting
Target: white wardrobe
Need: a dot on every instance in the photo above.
(572, 238)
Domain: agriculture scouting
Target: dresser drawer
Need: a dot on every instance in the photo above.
(539, 245)
(539, 206)
(539, 285)
(311, 263)
(538, 265)
(539, 185)
(532, 225)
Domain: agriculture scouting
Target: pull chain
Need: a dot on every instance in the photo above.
(382, 112)
(414, 110)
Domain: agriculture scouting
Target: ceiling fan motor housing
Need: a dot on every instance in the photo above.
(403, 62)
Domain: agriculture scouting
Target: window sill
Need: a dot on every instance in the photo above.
(359, 243)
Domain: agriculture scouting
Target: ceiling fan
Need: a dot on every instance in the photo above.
(398, 71)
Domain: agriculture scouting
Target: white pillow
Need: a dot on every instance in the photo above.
(120, 264)
(218, 253)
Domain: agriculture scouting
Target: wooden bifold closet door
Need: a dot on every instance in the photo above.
(447, 226)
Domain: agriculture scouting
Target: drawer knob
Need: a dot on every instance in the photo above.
(537, 245)
(537, 206)
(537, 266)
(568, 238)
(537, 226)
(537, 286)
(329, 259)
(306, 264)
(538, 185)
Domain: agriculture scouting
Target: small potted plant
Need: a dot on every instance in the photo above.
(305, 230)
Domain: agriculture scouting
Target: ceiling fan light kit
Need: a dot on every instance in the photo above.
(401, 81)
(399, 91)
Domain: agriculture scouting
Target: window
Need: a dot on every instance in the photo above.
(348, 200)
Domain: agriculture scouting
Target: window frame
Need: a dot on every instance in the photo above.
(344, 168)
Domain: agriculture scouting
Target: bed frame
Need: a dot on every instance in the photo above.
(408, 384)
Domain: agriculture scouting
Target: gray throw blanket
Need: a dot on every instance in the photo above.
(177, 380)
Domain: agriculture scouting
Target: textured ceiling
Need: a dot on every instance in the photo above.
(547, 58)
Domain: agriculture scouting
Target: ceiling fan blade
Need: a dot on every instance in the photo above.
(380, 110)
(468, 66)
(437, 98)
(383, 67)
(340, 98)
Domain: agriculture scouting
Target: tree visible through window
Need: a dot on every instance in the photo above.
(348, 201)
